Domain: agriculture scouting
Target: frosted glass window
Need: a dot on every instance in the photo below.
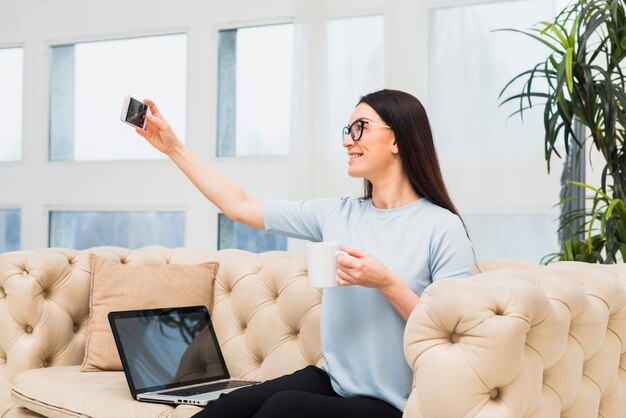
(88, 83)
(254, 90)
(9, 230)
(527, 237)
(355, 67)
(469, 65)
(237, 235)
(11, 86)
(80, 229)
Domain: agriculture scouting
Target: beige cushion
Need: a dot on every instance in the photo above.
(116, 286)
(103, 394)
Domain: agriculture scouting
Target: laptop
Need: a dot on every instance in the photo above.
(172, 355)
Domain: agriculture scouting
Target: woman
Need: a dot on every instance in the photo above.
(401, 236)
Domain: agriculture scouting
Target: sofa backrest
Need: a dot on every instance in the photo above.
(521, 340)
(265, 315)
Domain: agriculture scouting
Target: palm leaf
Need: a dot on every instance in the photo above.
(535, 37)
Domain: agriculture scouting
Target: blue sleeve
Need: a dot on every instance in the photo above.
(302, 219)
(452, 253)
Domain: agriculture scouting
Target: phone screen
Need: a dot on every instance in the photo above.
(136, 114)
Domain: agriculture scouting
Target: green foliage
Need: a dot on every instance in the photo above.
(575, 250)
(582, 77)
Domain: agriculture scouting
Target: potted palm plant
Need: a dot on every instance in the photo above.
(582, 81)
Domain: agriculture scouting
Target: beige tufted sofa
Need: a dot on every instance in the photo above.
(515, 340)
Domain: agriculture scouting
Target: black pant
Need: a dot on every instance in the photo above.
(306, 393)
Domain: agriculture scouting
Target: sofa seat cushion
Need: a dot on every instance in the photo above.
(68, 392)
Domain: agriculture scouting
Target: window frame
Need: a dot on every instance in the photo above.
(215, 30)
(68, 185)
(20, 45)
(58, 42)
(112, 209)
(453, 162)
(18, 209)
(219, 231)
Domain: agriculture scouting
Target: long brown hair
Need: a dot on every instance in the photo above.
(409, 122)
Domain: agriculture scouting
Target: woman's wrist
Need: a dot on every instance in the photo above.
(177, 150)
(391, 285)
(400, 296)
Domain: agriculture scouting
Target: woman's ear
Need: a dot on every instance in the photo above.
(394, 146)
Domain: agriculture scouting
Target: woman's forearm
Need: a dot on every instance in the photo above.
(231, 199)
(400, 296)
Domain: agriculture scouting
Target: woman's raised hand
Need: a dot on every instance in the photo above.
(158, 132)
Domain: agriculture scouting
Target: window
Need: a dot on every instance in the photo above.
(81, 230)
(516, 236)
(254, 90)
(11, 104)
(9, 230)
(236, 235)
(494, 156)
(88, 83)
(469, 65)
(355, 67)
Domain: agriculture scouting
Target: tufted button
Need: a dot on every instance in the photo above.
(75, 327)
(455, 337)
(45, 363)
(28, 329)
(25, 273)
(44, 294)
(494, 393)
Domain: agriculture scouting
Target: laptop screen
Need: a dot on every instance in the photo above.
(166, 348)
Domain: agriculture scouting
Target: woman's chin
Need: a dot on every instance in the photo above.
(354, 173)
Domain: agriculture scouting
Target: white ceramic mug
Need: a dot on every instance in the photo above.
(322, 263)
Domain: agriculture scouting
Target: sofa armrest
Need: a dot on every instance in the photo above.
(513, 343)
(44, 307)
(466, 344)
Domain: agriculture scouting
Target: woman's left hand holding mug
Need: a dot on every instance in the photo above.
(363, 269)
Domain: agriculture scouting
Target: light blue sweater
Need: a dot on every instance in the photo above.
(361, 333)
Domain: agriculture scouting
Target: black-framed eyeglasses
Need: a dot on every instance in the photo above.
(355, 130)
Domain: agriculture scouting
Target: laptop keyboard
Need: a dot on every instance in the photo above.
(211, 387)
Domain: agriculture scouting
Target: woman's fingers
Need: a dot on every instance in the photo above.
(348, 262)
(153, 107)
(158, 122)
(344, 279)
(354, 252)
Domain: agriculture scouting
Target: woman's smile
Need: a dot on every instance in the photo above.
(354, 155)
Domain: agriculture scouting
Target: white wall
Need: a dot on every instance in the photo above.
(506, 183)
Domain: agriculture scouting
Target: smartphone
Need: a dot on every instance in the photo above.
(134, 112)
